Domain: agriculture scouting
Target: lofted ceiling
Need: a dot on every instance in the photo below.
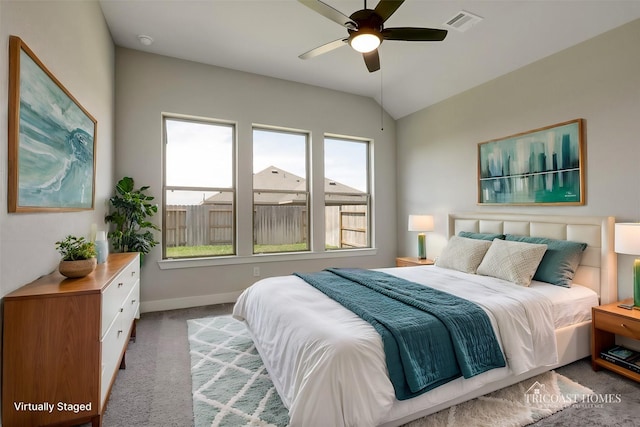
(266, 36)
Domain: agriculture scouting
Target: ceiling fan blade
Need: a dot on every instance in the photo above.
(386, 8)
(330, 13)
(414, 34)
(324, 48)
(372, 60)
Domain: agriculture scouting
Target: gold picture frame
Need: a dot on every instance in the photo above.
(52, 140)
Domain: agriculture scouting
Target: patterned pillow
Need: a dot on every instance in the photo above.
(512, 261)
(463, 254)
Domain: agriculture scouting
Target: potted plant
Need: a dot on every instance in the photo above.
(78, 256)
(131, 209)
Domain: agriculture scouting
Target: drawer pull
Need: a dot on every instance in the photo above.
(120, 331)
(121, 309)
(120, 284)
(133, 273)
(133, 301)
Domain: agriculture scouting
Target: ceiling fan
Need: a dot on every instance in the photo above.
(366, 30)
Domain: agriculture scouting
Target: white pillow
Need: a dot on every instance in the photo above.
(512, 261)
(463, 254)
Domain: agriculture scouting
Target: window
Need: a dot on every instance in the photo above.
(199, 212)
(346, 193)
(280, 191)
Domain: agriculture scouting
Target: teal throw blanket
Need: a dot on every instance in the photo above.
(430, 337)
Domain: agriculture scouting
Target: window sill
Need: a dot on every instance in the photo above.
(171, 264)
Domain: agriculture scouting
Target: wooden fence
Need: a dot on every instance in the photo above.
(279, 225)
(198, 225)
(346, 226)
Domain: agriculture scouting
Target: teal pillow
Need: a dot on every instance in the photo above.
(481, 236)
(560, 261)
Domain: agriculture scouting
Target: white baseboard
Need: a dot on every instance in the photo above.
(186, 302)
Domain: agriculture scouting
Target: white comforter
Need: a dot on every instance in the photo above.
(328, 364)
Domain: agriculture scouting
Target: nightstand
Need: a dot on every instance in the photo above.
(607, 321)
(412, 261)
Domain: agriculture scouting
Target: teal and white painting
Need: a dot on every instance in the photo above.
(56, 143)
(543, 166)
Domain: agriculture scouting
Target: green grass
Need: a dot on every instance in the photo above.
(217, 250)
(293, 247)
(199, 251)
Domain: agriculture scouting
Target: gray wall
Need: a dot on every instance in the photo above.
(598, 80)
(148, 85)
(72, 40)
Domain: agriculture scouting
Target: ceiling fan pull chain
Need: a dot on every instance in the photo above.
(381, 103)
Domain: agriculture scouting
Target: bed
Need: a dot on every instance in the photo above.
(328, 365)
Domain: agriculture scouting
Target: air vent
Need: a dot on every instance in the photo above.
(462, 21)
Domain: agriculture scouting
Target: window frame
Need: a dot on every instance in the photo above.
(308, 178)
(315, 201)
(233, 189)
(368, 193)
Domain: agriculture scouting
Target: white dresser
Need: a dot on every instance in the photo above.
(63, 342)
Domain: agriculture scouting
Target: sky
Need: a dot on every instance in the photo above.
(200, 155)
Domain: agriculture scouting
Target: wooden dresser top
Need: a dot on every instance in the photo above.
(56, 283)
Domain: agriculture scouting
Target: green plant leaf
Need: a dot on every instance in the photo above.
(131, 210)
(125, 185)
(74, 248)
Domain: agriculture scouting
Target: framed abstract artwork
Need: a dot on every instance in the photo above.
(540, 167)
(52, 140)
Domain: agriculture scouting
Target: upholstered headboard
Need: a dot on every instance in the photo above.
(597, 270)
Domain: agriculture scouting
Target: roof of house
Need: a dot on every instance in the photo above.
(295, 190)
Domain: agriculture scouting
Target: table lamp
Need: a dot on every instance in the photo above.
(421, 223)
(627, 241)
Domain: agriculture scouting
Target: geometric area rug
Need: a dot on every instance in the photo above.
(231, 387)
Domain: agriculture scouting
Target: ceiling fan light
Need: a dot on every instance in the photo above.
(365, 42)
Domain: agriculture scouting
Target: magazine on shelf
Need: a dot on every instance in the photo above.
(624, 357)
(622, 353)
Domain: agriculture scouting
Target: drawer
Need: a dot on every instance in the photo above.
(617, 324)
(114, 296)
(131, 306)
(112, 345)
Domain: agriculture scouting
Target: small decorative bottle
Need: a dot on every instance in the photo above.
(102, 247)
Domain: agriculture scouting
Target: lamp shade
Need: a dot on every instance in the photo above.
(627, 239)
(365, 40)
(420, 223)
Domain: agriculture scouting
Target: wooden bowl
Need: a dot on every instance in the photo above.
(79, 268)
